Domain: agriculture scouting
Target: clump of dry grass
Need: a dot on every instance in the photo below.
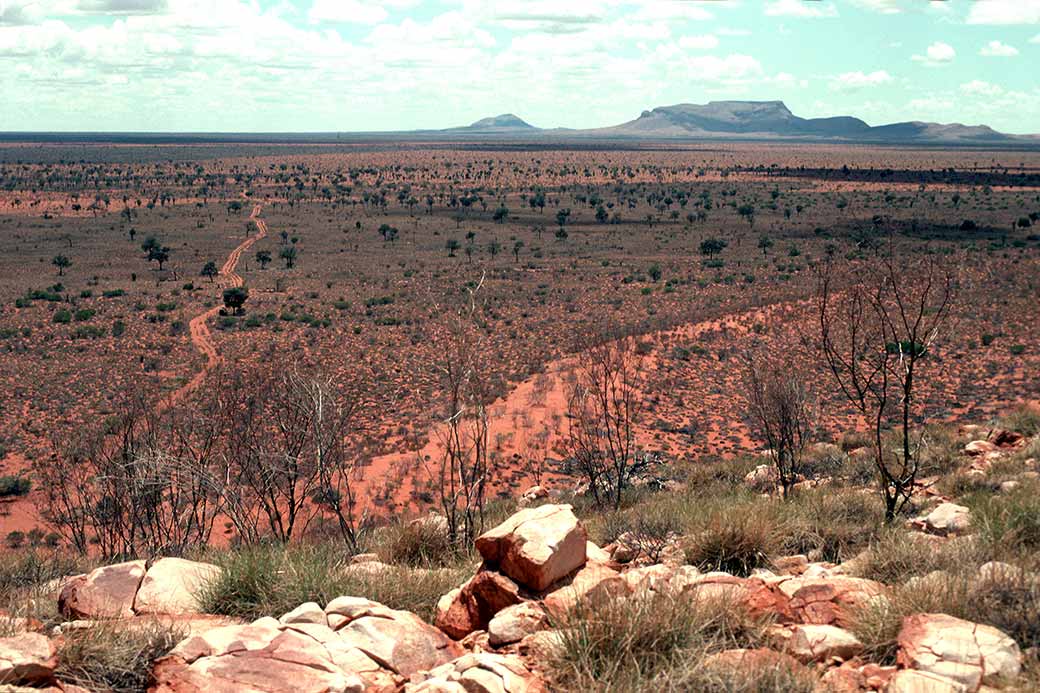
(1009, 601)
(113, 657)
(269, 580)
(647, 645)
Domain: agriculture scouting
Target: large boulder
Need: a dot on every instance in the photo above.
(174, 586)
(402, 643)
(970, 654)
(27, 659)
(537, 546)
(480, 672)
(106, 592)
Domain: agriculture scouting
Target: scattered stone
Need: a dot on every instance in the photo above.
(514, 623)
(948, 519)
(370, 648)
(968, 653)
(173, 586)
(822, 643)
(27, 659)
(537, 546)
(479, 673)
(977, 448)
(1003, 438)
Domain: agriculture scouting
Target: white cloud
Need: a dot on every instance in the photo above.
(699, 43)
(938, 54)
(979, 88)
(1004, 12)
(851, 81)
(997, 49)
(352, 11)
(882, 6)
(1035, 39)
(800, 8)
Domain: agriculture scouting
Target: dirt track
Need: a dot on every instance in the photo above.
(198, 328)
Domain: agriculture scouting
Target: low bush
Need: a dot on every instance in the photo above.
(14, 486)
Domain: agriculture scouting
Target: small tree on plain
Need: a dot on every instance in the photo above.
(235, 298)
(209, 270)
(61, 262)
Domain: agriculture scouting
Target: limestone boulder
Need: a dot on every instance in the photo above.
(107, 592)
(977, 448)
(967, 653)
(404, 644)
(174, 586)
(826, 601)
(471, 607)
(537, 546)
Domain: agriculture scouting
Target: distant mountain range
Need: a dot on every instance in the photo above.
(717, 120)
(746, 120)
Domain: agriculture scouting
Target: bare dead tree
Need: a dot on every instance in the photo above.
(878, 324)
(779, 404)
(603, 408)
(147, 483)
(461, 475)
(332, 418)
(271, 473)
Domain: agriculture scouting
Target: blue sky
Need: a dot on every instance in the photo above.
(351, 65)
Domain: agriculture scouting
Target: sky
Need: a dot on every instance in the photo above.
(362, 65)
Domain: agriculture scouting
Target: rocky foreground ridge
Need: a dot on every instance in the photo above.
(493, 633)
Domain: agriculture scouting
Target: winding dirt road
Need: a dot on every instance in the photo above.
(199, 330)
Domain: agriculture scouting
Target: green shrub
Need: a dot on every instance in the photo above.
(61, 317)
(14, 486)
(84, 314)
